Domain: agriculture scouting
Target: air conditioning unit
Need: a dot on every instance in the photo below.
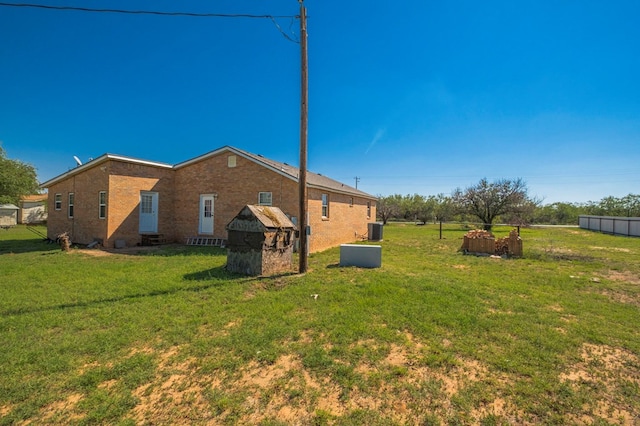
(375, 231)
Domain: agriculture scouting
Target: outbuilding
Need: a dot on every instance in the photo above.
(261, 240)
(8, 215)
(33, 209)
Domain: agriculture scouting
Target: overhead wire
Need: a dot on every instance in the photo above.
(273, 18)
(148, 12)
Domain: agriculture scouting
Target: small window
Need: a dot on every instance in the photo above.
(368, 209)
(102, 203)
(231, 161)
(264, 198)
(351, 202)
(71, 201)
(325, 205)
(58, 201)
(146, 204)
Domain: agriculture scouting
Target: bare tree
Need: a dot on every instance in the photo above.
(487, 200)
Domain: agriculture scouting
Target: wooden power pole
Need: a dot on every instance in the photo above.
(302, 178)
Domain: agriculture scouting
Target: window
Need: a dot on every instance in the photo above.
(58, 201)
(146, 204)
(264, 198)
(368, 208)
(102, 203)
(231, 161)
(351, 202)
(325, 205)
(71, 201)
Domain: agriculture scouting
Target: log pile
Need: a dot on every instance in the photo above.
(483, 242)
(502, 246)
(478, 233)
(478, 241)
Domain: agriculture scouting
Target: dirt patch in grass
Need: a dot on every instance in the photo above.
(599, 373)
(461, 266)
(5, 409)
(176, 395)
(63, 410)
(397, 388)
(628, 294)
(624, 276)
(613, 249)
(92, 252)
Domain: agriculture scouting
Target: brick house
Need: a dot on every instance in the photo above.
(121, 199)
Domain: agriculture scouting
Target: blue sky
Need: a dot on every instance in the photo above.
(411, 97)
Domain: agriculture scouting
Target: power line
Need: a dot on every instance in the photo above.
(159, 13)
(148, 12)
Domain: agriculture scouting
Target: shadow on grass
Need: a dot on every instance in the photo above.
(169, 250)
(27, 246)
(211, 278)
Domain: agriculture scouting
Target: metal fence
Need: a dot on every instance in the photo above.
(629, 226)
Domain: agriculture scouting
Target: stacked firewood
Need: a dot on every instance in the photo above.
(478, 241)
(478, 233)
(502, 246)
(511, 245)
(481, 241)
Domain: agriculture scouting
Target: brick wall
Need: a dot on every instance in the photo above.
(239, 185)
(347, 220)
(123, 208)
(179, 201)
(123, 182)
(85, 225)
(235, 187)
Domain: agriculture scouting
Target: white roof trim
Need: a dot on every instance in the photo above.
(235, 152)
(337, 191)
(100, 160)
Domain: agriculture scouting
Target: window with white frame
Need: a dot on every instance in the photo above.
(368, 209)
(71, 203)
(264, 198)
(58, 201)
(325, 205)
(102, 204)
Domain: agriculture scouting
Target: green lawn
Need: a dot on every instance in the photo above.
(432, 337)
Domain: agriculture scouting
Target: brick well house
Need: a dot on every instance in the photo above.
(119, 200)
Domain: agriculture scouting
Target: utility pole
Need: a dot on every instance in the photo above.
(302, 178)
(357, 180)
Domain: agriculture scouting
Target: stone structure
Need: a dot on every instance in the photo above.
(260, 241)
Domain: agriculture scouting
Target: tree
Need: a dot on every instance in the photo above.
(631, 205)
(444, 207)
(387, 207)
(487, 200)
(16, 179)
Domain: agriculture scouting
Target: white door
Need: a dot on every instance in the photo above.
(148, 212)
(206, 214)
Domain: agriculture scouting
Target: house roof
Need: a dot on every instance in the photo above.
(100, 160)
(314, 180)
(34, 198)
(8, 207)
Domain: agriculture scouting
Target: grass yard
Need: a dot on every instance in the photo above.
(433, 337)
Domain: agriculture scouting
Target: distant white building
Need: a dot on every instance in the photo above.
(8, 215)
(33, 209)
